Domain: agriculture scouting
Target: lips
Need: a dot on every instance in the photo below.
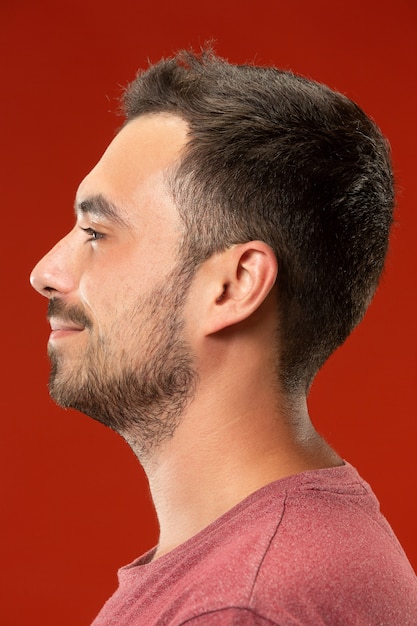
(68, 318)
(60, 329)
(61, 325)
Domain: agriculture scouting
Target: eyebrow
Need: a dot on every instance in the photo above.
(100, 207)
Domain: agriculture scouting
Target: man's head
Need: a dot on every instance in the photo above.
(214, 157)
(277, 157)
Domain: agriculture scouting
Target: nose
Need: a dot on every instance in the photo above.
(55, 275)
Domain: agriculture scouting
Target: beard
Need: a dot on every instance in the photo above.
(140, 383)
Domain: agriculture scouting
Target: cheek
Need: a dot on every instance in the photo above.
(105, 302)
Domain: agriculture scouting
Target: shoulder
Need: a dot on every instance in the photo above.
(335, 558)
(309, 548)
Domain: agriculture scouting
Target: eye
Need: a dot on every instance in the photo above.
(93, 234)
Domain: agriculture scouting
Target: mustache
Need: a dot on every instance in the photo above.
(67, 313)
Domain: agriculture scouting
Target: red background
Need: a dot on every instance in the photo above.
(75, 504)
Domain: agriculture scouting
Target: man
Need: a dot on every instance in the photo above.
(227, 242)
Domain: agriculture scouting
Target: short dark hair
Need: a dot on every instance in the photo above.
(281, 158)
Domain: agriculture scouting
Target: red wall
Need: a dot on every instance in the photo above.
(75, 502)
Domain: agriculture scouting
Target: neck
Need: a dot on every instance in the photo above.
(223, 451)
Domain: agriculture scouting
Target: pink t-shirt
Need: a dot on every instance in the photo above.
(312, 549)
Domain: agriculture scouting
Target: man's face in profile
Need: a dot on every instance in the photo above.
(116, 289)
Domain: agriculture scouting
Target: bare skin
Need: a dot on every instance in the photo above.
(239, 434)
(239, 431)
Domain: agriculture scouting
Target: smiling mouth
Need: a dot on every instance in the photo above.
(66, 320)
(60, 328)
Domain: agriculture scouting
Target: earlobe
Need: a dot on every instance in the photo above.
(244, 275)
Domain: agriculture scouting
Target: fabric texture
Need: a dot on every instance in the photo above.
(312, 549)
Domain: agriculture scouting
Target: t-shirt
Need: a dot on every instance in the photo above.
(311, 549)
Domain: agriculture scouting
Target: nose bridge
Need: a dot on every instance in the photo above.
(56, 272)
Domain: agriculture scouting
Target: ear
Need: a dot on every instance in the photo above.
(239, 280)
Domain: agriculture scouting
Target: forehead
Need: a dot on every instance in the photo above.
(132, 169)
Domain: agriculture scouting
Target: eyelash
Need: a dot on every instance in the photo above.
(94, 235)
